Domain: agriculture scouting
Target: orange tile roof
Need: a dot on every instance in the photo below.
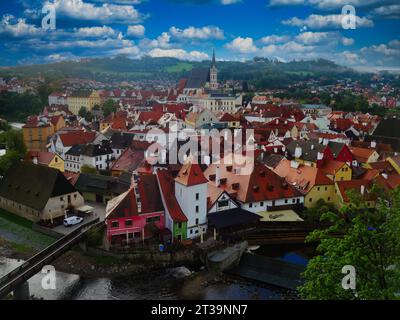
(304, 177)
(190, 175)
(361, 154)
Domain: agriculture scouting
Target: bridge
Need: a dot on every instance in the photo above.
(16, 280)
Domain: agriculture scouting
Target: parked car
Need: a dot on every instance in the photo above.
(70, 221)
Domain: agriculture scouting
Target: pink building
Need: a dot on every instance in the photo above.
(137, 214)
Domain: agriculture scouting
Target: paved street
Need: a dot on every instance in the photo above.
(99, 211)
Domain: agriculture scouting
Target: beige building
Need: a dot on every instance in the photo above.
(86, 99)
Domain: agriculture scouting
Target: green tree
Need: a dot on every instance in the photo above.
(82, 112)
(15, 141)
(88, 169)
(370, 243)
(108, 107)
(8, 160)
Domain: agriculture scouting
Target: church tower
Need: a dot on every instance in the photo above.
(213, 74)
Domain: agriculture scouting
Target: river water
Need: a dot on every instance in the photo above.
(162, 285)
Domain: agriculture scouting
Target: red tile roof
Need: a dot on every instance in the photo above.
(77, 137)
(167, 188)
(190, 175)
(41, 156)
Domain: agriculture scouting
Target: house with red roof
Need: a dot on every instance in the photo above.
(191, 194)
(62, 142)
(175, 220)
(137, 214)
(256, 189)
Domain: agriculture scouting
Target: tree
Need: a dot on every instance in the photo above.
(370, 243)
(108, 107)
(8, 160)
(15, 141)
(83, 112)
(88, 169)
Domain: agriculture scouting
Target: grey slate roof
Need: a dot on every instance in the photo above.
(121, 140)
(198, 78)
(100, 184)
(32, 185)
(308, 152)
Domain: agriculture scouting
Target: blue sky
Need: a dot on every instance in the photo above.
(190, 29)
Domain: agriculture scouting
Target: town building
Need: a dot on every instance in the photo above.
(38, 193)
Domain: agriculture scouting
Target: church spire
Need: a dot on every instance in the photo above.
(213, 59)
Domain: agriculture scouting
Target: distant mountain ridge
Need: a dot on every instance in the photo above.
(147, 68)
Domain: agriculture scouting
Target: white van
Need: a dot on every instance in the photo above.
(70, 221)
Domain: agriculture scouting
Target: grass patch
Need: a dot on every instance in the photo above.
(21, 248)
(180, 67)
(19, 231)
(23, 222)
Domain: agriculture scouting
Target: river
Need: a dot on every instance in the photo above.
(162, 285)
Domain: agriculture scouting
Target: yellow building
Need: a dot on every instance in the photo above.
(44, 158)
(37, 130)
(311, 181)
(337, 170)
(85, 99)
(395, 162)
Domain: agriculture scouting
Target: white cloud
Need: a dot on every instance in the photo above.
(17, 28)
(242, 45)
(192, 33)
(228, 2)
(136, 31)
(347, 41)
(179, 54)
(97, 32)
(162, 41)
(80, 10)
(315, 37)
(333, 21)
(390, 11)
(274, 39)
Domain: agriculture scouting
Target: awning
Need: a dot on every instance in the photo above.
(231, 218)
(85, 208)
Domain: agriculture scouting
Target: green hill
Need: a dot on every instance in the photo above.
(260, 71)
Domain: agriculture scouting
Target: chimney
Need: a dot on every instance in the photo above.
(320, 156)
(362, 190)
(297, 152)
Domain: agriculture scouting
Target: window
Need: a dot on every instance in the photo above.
(318, 188)
(61, 199)
(250, 205)
(261, 203)
(286, 200)
(223, 203)
(310, 200)
(197, 196)
(197, 222)
(128, 223)
(153, 219)
(197, 209)
(114, 224)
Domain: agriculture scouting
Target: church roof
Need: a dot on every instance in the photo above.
(198, 78)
